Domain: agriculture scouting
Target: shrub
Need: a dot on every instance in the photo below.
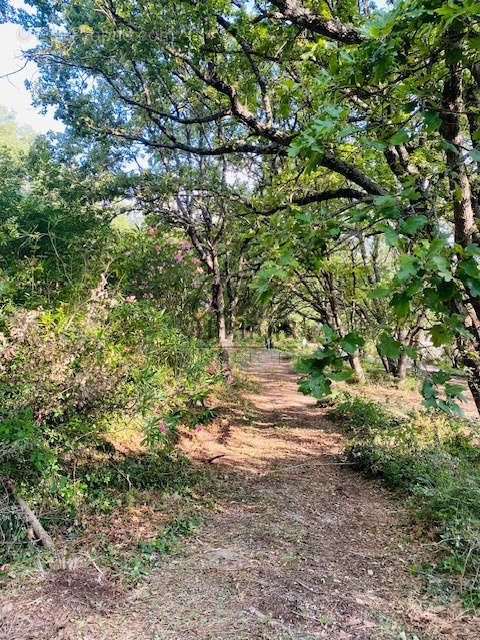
(67, 376)
(435, 460)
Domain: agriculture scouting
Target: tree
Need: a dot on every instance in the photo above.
(387, 134)
(197, 198)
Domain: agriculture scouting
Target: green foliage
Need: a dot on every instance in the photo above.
(435, 460)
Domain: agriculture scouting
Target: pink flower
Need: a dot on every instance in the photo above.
(195, 260)
(150, 295)
(163, 429)
(198, 427)
(195, 284)
(212, 367)
(216, 280)
(32, 263)
(152, 231)
(169, 241)
(127, 349)
(130, 298)
(158, 248)
(199, 269)
(127, 253)
(179, 256)
(230, 380)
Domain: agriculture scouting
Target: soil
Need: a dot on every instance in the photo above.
(299, 547)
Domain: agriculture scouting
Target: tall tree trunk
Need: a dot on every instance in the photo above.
(356, 365)
(401, 372)
(354, 358)
(218, 301)
(463, 214)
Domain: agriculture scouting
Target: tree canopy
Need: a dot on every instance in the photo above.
(365, 118)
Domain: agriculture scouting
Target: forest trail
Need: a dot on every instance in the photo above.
(299, 546)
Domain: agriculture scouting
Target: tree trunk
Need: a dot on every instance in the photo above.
(219, 306)
(356, 365)
(30, 517)
(353, 359)
(401, 372)
(384, 361)
(231, 327)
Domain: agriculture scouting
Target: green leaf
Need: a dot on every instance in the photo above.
(440, 377)
(374, 144)
(340, 376)
(455, 391)
(472, 250)
(413, 223)
(432, 120)
(448, 146)
(442, 266)
(379, 292)
(429, 391)
(440, 334)
(401, 304)
(411, 352)
(351, 342)
(475, 154)
(473, 285)
(399, 137)
(384, 202)
(469, 267)
(475, 43)
(388, 346)
(391, 237)
(435, 246)
(329, 333)
(409, 266)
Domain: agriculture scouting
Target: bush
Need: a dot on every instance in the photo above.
(68, 377)
(435, 459)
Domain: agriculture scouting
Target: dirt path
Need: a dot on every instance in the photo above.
(299, 547)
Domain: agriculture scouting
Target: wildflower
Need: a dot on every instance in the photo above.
(152, 231)
(32, 263)
(216, 280)
(230, 380)
(150, 295)
(127, 253)
(195, 284)
(179, 256)
(130, 298)
(198, 427)
(158, 248)
(212, 367)
(199, 269)
(195, 260)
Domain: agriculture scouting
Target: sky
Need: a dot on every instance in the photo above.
(13, 93)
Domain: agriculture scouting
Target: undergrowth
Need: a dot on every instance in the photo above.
(435, 460)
